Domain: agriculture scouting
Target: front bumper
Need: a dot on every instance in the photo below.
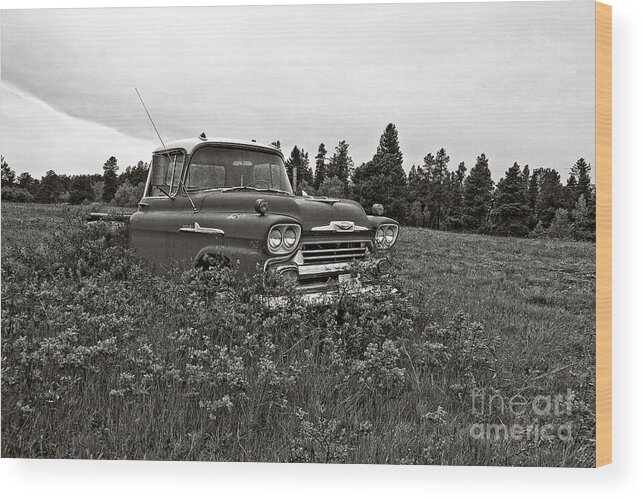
(330, 297)
(326, 277)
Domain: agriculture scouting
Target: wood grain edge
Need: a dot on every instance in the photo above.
(603, 234)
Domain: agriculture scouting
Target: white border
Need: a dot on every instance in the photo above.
(65, 479)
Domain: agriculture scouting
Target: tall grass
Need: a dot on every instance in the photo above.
(102, 359)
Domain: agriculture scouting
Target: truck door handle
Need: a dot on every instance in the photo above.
(197, 229)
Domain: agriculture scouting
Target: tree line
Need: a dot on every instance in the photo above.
(122, 189)
(525, 202)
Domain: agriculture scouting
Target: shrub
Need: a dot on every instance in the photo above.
(129, 195)
(331, 187)
(16, 195)
(80, 197)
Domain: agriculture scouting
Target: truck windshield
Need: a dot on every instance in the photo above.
(214, 167)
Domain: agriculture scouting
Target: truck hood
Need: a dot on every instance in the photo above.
(309, 211)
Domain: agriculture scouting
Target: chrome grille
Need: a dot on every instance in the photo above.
(333, 252)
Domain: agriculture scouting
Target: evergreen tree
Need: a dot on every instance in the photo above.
(50, 189)
(135, 174)
(320, 166)
(8, 175)
(511, 212)
(415, 217)
(81, 189)
(299, 159)
(383, 180)
(340, 164)
(580, 172)
(532, 196)
(390, 144)
(570, 191)
(455, 205)
(550, 197)
(413, 180)
(478, 189)
(438, 179)
(110, 179)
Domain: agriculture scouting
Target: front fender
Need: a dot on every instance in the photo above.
(377, 221)
(244, 240)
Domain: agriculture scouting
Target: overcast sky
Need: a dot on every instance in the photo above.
(513, 80)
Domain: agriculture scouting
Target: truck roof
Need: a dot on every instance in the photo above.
(190, 143)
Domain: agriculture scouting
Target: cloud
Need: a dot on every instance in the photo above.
(36, 138)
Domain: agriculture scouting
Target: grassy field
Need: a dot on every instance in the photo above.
(102, 360)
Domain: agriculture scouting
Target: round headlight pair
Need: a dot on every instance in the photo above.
(385, 236)
(283, 238)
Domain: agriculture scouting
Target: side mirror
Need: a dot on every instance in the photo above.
(159, 171)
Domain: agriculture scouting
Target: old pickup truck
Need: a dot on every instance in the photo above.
(231, 200)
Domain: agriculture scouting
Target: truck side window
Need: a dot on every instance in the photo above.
(173, 167)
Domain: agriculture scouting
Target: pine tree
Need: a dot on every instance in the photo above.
(438, 188)
(299, 159)
(580, 172)
(383, 180)
(51, 187)
(8, 175)
(110, 179)
(412, 182)
(415, 217)
(390, 144)
(478, 189)
(320, 166)
(340, 164)
(134, 174)
(511, 213)
(570, 191)
(455, 204)
(550, 195)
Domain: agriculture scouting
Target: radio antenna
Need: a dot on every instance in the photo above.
(152, 121)
(181, 184)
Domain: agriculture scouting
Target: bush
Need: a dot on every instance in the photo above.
(80, 197)
(331, 187)
(16, 195)
(128, 195)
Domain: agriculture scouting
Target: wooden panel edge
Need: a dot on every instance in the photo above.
(603, 234)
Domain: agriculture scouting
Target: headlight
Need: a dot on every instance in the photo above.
(385, 236)
(379, 236)
(290, 237)
(275, 238)
(283, 238)
(389, 235)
